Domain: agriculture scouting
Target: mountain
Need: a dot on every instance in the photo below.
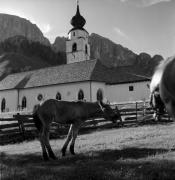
(109, 53)
(18, 54)
(11, 25)
(112, 54)
(60, 44)
(145, 64)
(15, 62)
(23, 47)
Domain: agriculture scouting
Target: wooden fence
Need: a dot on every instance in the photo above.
(21, 127)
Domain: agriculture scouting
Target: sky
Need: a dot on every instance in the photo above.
(139, 25)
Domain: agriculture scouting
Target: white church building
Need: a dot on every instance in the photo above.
(81, 78)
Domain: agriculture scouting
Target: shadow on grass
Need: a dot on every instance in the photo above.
(107, 164)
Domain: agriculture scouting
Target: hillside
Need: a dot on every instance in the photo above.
(109, 53)
(18, 54)
(14, 62)
(11, 25)
(114, 55)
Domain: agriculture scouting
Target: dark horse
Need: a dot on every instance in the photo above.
(64, 112)
(164, 77)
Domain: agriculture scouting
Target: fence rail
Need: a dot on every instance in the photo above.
(21, 126)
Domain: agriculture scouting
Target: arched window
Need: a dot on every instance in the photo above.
(3, 105)
(74, 47)
(86, 49)
(58, 96)
(24, 102)
(99, 95)
(80, 95)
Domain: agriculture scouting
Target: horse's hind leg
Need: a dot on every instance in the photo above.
(75, 130)
(45, 155)
(69, 136)
(47, 144)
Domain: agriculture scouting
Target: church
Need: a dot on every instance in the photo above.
(81, 78)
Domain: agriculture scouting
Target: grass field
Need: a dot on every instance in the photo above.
(144, 152)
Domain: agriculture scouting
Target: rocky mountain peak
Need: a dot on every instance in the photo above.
(11, 25)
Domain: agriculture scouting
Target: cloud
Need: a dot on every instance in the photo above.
(45, 28)
(120, 33)
(145, 3)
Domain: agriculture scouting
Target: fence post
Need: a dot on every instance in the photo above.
(144, 108)
(21, 125)
(136, 110)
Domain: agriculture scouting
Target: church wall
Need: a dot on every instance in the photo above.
(95, 86)
(69, 92)
(76, 57)
(77, 33)
(11, 98)
(121, 93)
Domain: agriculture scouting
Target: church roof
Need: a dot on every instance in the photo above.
(90, 70)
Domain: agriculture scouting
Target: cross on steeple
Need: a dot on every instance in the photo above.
(77, 2)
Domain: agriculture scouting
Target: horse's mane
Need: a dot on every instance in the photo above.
(168, 78)
(156, 78)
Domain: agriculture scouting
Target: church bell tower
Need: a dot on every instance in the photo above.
(77, 46)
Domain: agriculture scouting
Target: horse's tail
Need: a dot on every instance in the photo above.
(36, 118)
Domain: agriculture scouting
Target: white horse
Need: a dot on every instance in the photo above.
(164, 77)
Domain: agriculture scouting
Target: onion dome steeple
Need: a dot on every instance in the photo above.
(77, 45)
(78, 21)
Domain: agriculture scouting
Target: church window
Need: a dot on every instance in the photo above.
(99, 95)
(80, 95)
(131, 88)
(58, 96)
(24, 102)
(74, 47)
(86, 49)
(73, 33)
(3, 105)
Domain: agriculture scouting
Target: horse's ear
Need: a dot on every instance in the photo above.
(105, 101)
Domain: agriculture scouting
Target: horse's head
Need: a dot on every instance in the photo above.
(157, 103)
(109, 113)
(167, 85)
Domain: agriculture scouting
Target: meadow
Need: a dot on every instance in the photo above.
(142, 153)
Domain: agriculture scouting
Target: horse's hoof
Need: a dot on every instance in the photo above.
(46, 158)
(53, 157)
(72, 150)
(63, 152)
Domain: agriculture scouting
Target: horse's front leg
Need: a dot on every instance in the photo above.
(75, 130)
(49, 149)
(69, 136)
